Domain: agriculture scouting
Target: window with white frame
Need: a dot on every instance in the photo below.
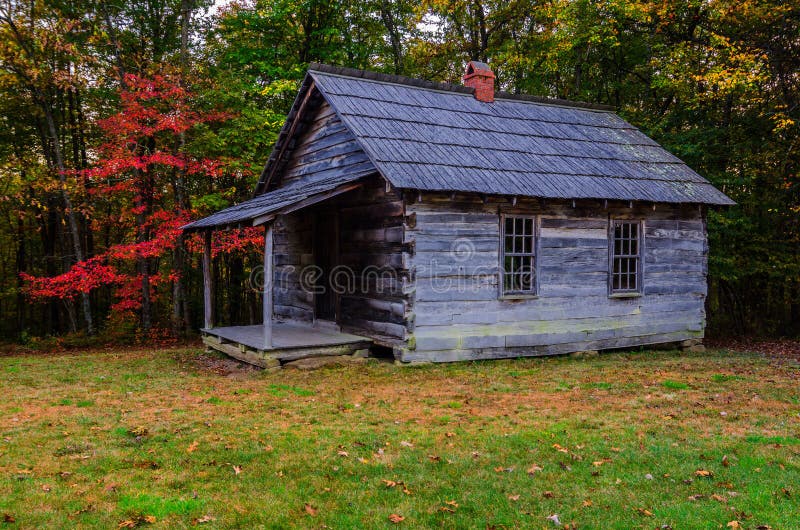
(625, 259)
(518, 255)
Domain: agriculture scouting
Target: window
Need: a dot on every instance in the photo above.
(626, 257)
(519, 255)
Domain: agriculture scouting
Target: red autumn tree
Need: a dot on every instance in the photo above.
(141, 198)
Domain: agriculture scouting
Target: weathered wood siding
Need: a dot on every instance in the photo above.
(293, 253)
(372, 263)
(457, 310)
(372, 249)
(326, 147)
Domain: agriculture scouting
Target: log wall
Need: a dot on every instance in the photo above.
(458, 312)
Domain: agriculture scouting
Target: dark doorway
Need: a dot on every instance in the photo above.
(326, 257)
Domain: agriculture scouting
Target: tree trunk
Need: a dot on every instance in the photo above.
(71, 218)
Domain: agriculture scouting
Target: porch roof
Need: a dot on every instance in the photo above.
(291, 197)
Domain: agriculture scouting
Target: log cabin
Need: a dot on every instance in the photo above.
(445, 222)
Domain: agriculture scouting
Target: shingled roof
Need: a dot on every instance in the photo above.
(429, 136)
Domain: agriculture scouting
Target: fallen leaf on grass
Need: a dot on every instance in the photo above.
(150, 519)
(501, 469)
(204, 519)
(725, 461)
(555, 519)
(396, 518)
(645, 512)
(449, 434)
(343, 454)
(734, 524)
(406, 444)
(363, 460)
(454, 504)
(696, 497)
(434, 458)
(128, 523)
(192, 447)
(237, 469)
(389, 483)
(534, 469)
(45, 488)
(548, 494)
(514, 498)
(703, 473)
(587, 503)
(8, 518)
(560, 448)
(719, 498)
(310, 510)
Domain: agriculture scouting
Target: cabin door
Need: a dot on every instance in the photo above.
(326, 257)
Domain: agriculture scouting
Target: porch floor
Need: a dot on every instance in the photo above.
(290, 341)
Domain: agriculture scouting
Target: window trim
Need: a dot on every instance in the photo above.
(626, 293)
(516, 295)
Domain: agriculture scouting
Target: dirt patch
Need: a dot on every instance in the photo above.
(221, 365)
(779, 349)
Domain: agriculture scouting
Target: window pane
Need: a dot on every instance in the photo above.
(625, 248)
(519, 260)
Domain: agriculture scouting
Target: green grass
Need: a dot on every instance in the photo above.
(94, 440)
(674, 385)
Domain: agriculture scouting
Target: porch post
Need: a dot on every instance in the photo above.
(208, 283)
(268, 281)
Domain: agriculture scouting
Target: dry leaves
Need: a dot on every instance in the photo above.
(396, 518)
(451, 507)
(587, 503)
(237, 469)
(514, 498)
(645, 512)
(406, 444)
(192, 447)
(310, 510)
(393, 483)
(534, 469)
(548, 494)
(734, 524)
(343, 454)
(204, 519)
(133, 523)
(8, 518)
(703, 473)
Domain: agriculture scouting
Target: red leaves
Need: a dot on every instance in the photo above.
(81, 278)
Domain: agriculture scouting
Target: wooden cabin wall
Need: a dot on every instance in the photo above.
(293, 251)
(326, 145)
(373, 261)
(457, 311)
(371, 245)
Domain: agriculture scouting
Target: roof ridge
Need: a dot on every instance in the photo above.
(448, 87)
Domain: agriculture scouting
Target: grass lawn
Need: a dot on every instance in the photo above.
(635, 440)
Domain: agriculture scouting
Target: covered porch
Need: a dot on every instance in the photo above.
(276, 340)
(290, 341)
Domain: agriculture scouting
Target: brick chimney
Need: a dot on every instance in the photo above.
(480, 77)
